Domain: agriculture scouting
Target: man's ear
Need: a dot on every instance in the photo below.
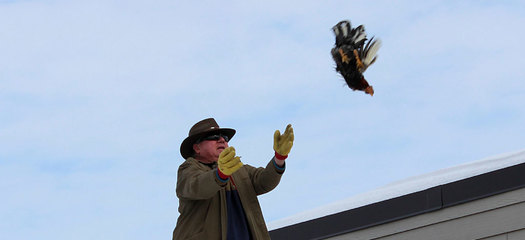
(195, 148)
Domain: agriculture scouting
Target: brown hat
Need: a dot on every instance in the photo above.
(201, 129)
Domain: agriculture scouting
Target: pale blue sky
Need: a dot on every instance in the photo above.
(96, 97)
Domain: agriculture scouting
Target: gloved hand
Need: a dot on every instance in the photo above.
(282, 144)
(228, 163)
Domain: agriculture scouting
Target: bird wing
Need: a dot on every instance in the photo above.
(368, 53)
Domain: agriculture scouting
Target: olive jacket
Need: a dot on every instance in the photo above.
(202, 199)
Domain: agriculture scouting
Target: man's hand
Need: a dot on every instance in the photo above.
(228, 162)
(282, 144)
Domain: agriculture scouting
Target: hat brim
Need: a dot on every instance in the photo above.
(186, 148)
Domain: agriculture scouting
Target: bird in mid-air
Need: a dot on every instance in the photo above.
(352, 56)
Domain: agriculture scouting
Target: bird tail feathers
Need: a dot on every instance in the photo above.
(345, 34)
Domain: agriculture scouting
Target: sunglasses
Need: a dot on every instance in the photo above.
(214, 137)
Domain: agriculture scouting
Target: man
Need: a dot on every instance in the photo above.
(217, 192)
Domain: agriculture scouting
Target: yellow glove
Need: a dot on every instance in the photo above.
(228, 162)
(282, 144)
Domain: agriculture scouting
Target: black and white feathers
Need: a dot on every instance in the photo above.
(352, 56)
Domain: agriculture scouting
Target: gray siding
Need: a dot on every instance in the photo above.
(517, 235)
(498, 217)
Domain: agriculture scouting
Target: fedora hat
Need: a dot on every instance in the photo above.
(201, 129)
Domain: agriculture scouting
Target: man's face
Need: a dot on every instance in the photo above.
(208, 151)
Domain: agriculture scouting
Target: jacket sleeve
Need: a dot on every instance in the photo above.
(196, 183)
(265, 179)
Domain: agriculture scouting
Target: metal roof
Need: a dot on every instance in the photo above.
(414, 196)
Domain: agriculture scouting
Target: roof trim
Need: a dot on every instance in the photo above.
(432, 199)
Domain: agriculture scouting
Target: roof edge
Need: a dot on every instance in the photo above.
(428, 200)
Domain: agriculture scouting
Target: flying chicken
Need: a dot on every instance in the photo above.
(352, 56)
